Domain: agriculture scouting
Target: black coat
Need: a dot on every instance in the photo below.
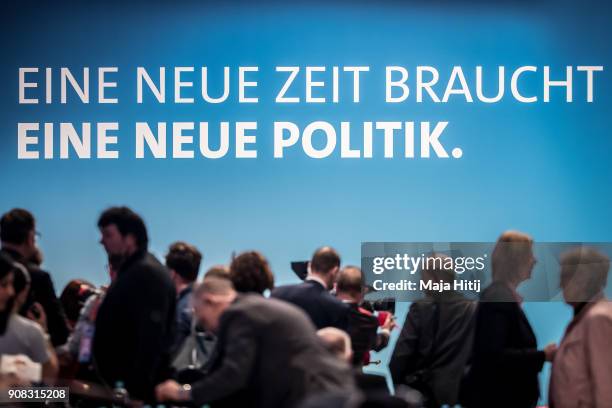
(505, 358)
(134, 327)
(444, 352)
(43, 292)
(323, 309)
(268, 355)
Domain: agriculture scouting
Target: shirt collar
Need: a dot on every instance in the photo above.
(317, 279)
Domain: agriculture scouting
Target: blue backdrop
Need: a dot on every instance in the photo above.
(541, 168)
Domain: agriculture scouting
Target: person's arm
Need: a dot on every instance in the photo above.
(236, 367)
(405, 355)
(597, 337)
(153, 310)
(51, 367)
(384, 334)
(42, 350)
(56, 319)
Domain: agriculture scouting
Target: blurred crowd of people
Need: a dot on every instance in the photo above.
(158, 334)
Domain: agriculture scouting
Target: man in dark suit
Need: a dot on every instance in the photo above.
(313, 295)
(135, 322)
(267, 351)
(18, 234)
(363, 325)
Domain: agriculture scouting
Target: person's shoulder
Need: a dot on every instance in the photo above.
(601, 312)
(150, 265)
(284, 290)
(27, 327)
(497, 292)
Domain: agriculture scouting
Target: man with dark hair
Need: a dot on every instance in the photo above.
(268, 354)
(18, 235)
(363, 325)
(313, 295)
(250, 272)
(183, 261)
(135, 322)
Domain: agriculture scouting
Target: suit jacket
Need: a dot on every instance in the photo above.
(445, 352)
(582, 369)
(362, 328)
(505, 357)
(43, 292)
(268, 350)
(134, 326)
(323, 309)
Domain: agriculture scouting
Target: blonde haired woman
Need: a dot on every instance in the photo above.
(505, 360)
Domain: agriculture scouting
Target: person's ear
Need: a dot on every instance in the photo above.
(131, 242)
(31, 240)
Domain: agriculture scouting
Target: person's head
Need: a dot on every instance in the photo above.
(21, 284)
(123, 231)
(36, 257)
(211, 298)
(183, 260)
(337, 342)
(437, 267)
(250, 272)
(513, 259)
(584, 274)
(217, 271)
(325, 263)
(349, 285)
(7, 275)
(74, 296)
(18, 231)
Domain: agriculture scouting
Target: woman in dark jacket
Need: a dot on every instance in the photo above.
(505, 358)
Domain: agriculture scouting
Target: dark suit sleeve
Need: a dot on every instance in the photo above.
(494, 327)
(382, 340)
(235, 369)
(56, 319)
(405, 355)
(154, 315)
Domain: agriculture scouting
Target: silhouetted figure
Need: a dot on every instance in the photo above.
(582, 368)
(183, 261)
(505, 359)
(313, 295)
(135, 322)
(436, 340)
(267, 355)
(18, 234)
(363, 326)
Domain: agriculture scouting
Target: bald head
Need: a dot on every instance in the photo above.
(337, 342)
(349, 284)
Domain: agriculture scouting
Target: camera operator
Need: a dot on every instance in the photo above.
(363, 324)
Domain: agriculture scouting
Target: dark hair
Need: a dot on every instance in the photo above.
(7, 266)
(127, 222)
(74, 296)
(15, 226)
(350, 280)
(324, 260)
(185, 260)
(21, 278)
(250, 272)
